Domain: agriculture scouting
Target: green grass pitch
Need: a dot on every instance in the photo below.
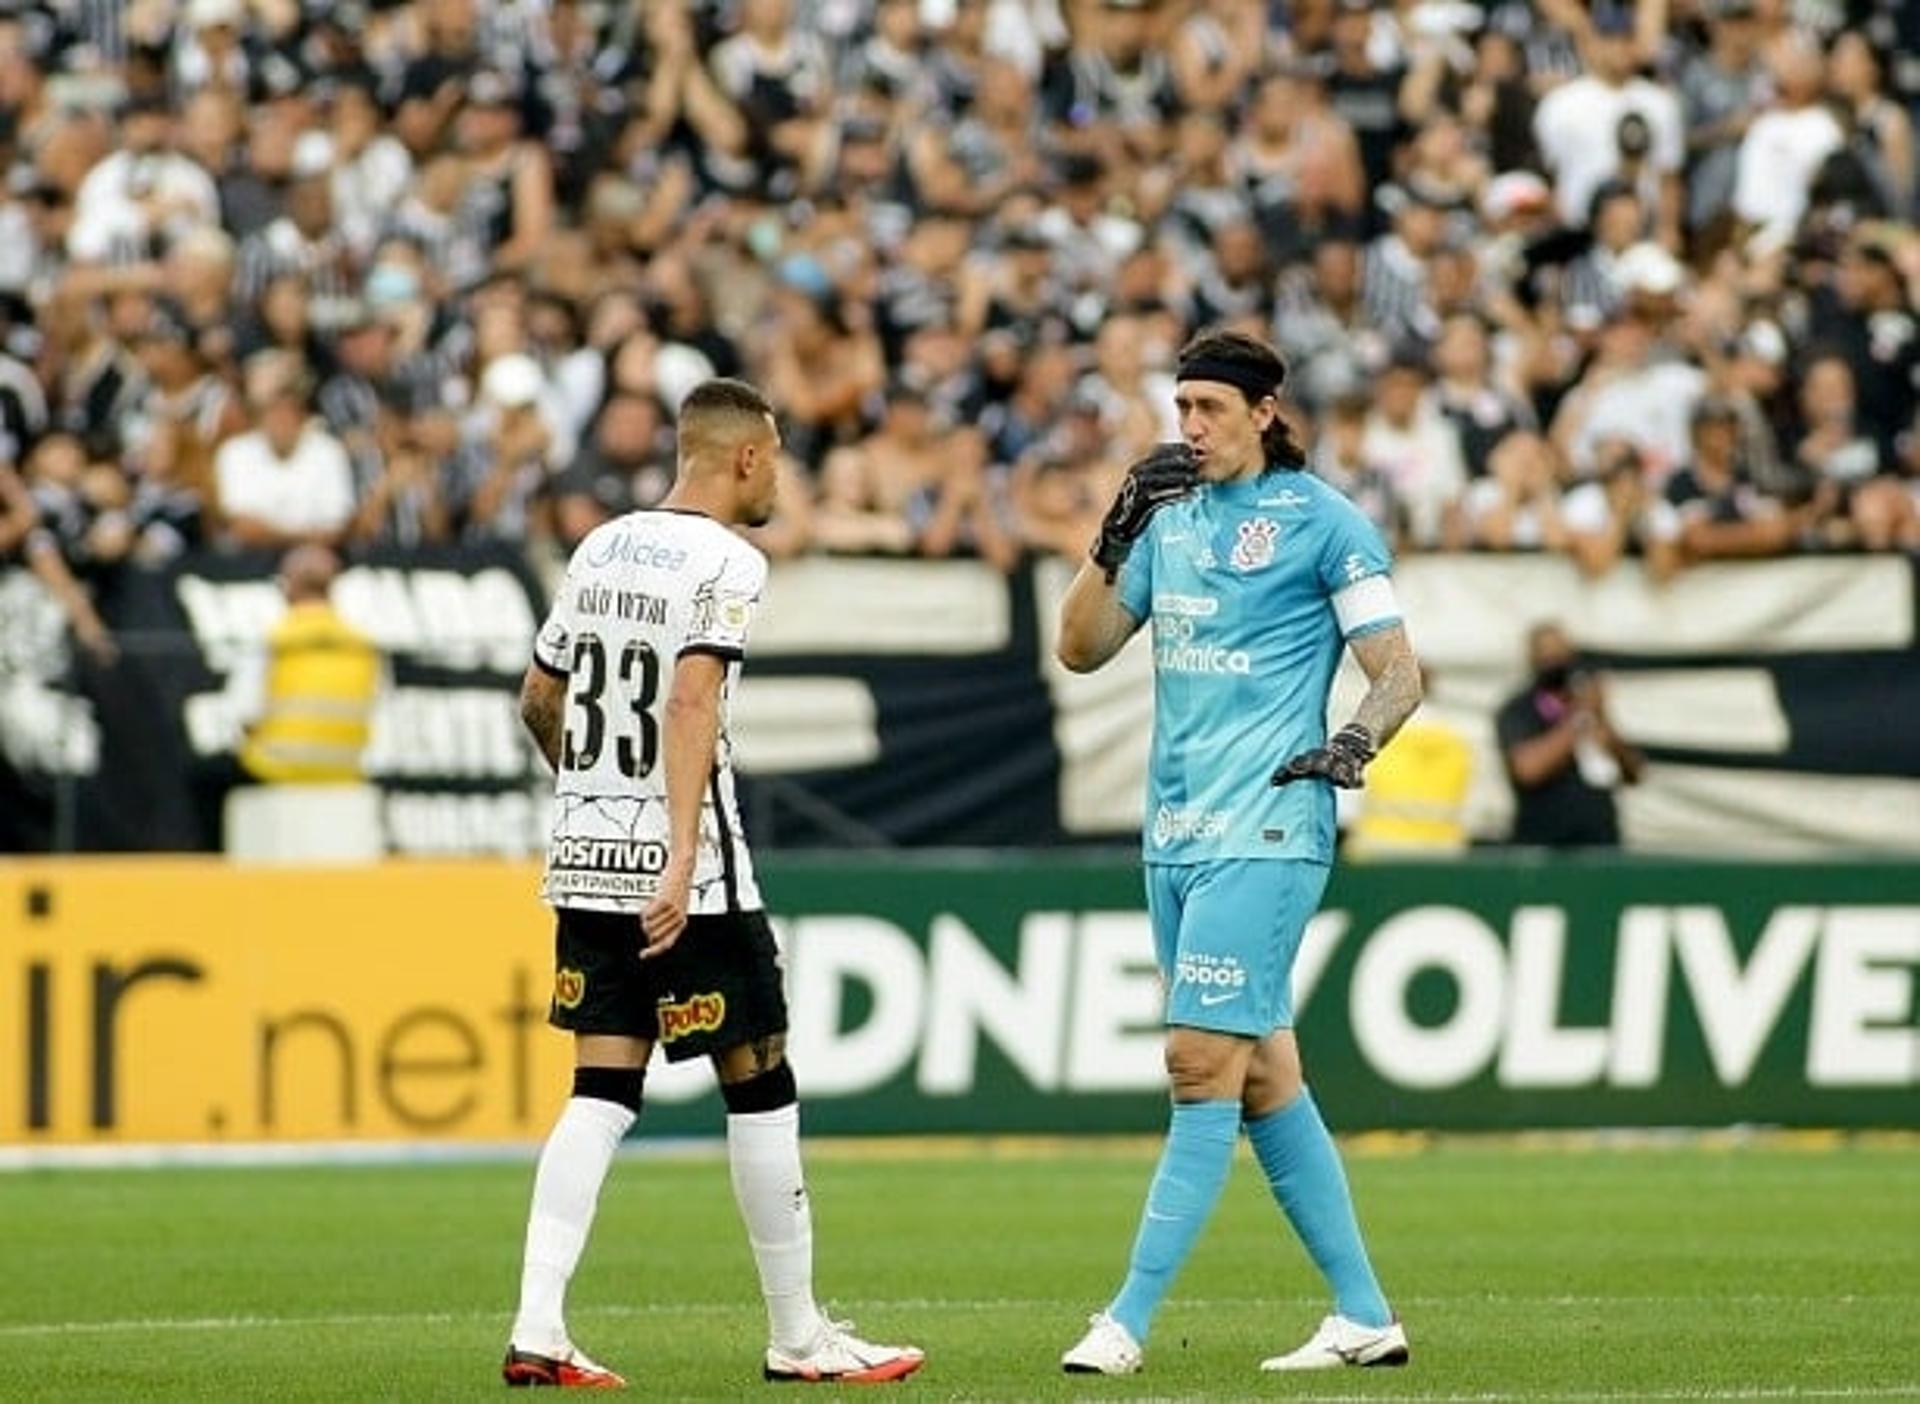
(1667, 1274)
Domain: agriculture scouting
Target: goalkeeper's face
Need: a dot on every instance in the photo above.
(1222, 429)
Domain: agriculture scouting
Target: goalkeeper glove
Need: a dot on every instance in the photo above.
(1342, 760)
(1163, 476)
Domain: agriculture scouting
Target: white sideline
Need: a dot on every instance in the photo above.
(212, 1155)
(184, 1324)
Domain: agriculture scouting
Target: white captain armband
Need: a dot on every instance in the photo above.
(1366, 605)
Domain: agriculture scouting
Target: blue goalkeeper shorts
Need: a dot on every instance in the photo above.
(1226, 934)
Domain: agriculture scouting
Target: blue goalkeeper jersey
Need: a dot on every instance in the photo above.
(1251, 588)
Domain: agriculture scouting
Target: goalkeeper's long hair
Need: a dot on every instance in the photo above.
(1249, 364)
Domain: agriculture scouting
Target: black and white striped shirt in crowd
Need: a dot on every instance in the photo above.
(98, 25)
(1393, 285)
(1588, 289)
(282, 251)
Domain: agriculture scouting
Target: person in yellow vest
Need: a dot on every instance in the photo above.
(313, 689)
(1416, 796)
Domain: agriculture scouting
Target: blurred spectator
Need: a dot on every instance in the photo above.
(1721, 511)
(1632, 389)
(1482, 414)
(1339, 456)
(1062, 486)
(1868, 316)
(145, 189)
(913, 486)
(509, 448)
(1786, 145)
(821, 358)
(1562, 754)
(286, 480)
(1578, 124)
(627, 464)
(1516, 507)
(1613, 515)
(1595, 287)
(1415, 446)
(25, 541)
(1398, 272)
(1298, 162)
(1325, 326)
(1365, 85)
(303, 702)
(1721, 89)
(1881, 128)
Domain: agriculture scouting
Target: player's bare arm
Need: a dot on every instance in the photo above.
(691, 730)
(1094, 625)
(1393, 678)
(1393, 691)
(543, 700)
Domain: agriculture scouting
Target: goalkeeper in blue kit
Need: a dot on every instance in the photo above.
(1255, 575)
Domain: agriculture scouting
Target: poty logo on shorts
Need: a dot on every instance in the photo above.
(1213, 972)
(1253, 548)
(701, 1013)
(569, 987)
(1172, 825)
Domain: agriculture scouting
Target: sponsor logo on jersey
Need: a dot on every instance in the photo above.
(701, 1013)
(1207, 659)
(634, 548)
(569, 987)
(732, 612)
(1286, 497)
(1355, 568)
(1188, 606)
(1176, 647)
(1211, 972)
(1253, 546)
(1190, 824)
(609, 855)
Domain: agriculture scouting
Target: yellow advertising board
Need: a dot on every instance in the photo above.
(184, 1000)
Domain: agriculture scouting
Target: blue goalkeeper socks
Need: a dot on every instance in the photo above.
(1303, 1169)
(1193, 1171)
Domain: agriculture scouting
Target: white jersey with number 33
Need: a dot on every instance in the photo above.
(641, 592)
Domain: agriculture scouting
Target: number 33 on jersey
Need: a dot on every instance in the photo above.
(641, 591)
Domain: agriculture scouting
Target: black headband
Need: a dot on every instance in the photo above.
(1256, 382)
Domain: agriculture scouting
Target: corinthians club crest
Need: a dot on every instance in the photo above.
(1253, 549)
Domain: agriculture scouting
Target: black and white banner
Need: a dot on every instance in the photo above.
(102, 757)
(917, 703)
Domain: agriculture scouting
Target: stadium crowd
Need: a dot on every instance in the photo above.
(402, 272)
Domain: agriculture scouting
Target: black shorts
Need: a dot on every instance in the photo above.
(719, 987)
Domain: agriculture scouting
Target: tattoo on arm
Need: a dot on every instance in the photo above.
(542, 706)
(1394, 683)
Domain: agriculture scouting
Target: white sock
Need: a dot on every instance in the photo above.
(566, 1190)
(763, 1149)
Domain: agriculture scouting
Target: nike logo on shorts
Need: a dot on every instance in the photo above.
(1207, 1001)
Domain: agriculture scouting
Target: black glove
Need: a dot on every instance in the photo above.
(1163, 476)
(1342, 760)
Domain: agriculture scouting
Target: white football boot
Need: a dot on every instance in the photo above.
(1341, 1342)
(837, 1356)
(1108, 1348)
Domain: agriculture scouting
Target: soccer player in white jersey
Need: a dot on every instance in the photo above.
(660, 936)
(1256, 576)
